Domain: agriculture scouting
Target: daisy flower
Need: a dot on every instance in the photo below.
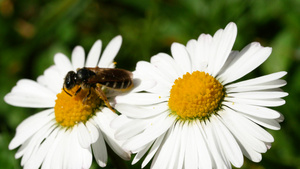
(69, 131)
(187, 111)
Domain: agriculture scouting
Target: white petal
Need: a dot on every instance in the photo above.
(254, 130)
(84, 137)
(268, 123)
(58, 135)
(119, 121)
(28, 93)
(181, 57)
(141, 83)
(223, 41)
(68, 147)
(75, 155)
(219, 159)
(194, 52)
(30, 147)
(183, 143)
(157, 161)
(259, 80)
(131, 129)
(57, 157)
(166, 65)
(87, 157)
(264, 86)
(191, 155)
(281, 118)
(227, 143)
(163, 91)
(233, 54)
(94, 54)
(174, 146)
(136, 111)
(103, 120)
(258, 95)
(204, 156)
(247, 60)
(24, 100)
(78, 57)
(72, 151)
(258, 102)
(150, 70)
(99, 150)
(39, 156)
(117, 148)
(168, 155)
(94, 133)
(110, 52)
(158, 127)
(153, 150)
(29, 126)
(205, 50)
(258, 111)
(139, 155)
(63, 63)
(140, 99)
(244, 130)
(52, 79)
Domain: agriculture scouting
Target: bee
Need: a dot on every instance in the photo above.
(97, 78)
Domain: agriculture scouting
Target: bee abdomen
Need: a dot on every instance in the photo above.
(118, 84)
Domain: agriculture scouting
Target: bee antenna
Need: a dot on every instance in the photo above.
(66, 91)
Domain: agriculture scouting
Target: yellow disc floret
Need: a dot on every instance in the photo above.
(70, 110)
(195, 95)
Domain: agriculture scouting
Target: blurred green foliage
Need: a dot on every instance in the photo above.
(32, 31)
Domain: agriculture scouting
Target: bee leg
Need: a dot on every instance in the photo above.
(77, 91)
(102, 95)
(87, 96)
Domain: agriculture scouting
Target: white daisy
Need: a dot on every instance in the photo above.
(186, 112)
(67, 133)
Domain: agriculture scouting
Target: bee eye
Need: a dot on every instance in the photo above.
(70, 80)
(70, 84)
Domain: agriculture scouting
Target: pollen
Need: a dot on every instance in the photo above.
(197, 95)
(70, 110)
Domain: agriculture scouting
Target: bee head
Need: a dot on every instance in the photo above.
(70, 80)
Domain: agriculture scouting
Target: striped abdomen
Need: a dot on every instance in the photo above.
(118, 79)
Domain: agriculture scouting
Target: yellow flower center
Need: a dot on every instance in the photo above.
(196, 95)
(70, 110)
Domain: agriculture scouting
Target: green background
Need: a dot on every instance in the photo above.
(32, 31)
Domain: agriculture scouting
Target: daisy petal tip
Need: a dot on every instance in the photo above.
(231, 26)
(118, 38)
(268, 49)
(282, 73)
(59, 56)
(12, 145)
(77, 48)
(127, 156)
(101, 163)
(204, 37)
(7, 98)
(10, 99)
(116, 42)
(176, 45)
(98, 43)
